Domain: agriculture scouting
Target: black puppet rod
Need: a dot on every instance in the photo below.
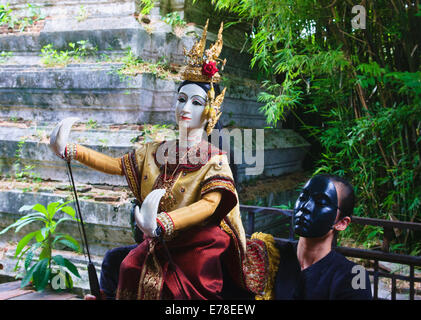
(93, 278)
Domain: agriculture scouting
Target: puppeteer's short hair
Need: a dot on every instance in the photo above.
(347, 199)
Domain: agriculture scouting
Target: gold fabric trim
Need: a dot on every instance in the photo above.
(168, 201)
(273, 264)
(151, 279)
(124, 294)
(131, 176)
(218, 182)
(238, 250)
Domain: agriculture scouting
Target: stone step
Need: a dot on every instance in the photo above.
(106, 34)
(117, 34)
(284, 151)
(88, 90)
(74, 8)
(98, 91)
(36, 152)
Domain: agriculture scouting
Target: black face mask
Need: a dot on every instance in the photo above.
(316, 208)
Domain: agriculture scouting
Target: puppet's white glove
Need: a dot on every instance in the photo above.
(60, 135)
(146, 217)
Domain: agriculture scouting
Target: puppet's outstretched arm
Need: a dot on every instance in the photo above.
(96, 160)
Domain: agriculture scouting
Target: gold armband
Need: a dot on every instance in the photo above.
(167, 225)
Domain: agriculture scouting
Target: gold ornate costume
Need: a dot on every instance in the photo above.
(192, 188)
(204, 194)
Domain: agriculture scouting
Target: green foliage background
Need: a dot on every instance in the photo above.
(355, 92)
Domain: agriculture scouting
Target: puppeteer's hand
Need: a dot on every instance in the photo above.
(60, 135)
(146, 217)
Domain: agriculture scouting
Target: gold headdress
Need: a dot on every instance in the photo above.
(202, 67)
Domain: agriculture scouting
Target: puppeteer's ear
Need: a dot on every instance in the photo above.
(342, 224)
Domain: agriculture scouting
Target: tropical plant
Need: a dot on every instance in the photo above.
(46, 239)
(145, 6)
(52, 57)
(23, 171)
(8, 18)
(82, 14)
(5, 55)
(174, 19)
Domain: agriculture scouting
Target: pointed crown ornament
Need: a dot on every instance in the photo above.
(202, 66)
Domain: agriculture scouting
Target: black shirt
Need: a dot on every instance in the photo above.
(330, 278)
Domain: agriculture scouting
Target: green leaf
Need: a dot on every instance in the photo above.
(69, 244)
(28, 276)
(64, 204)
(24, 241)
(8, 228)
(26, 207)
(61, 261)
(74, 243)
(33, 215)
(39, 236)
(46, 252)
(30, 254)
(20, 222)
(41, 274)
(26, 223)
(64, 219)
(40, 208)
(44, 233)
(52, 209)
(69, 281)
(69, 210)
(28, 259)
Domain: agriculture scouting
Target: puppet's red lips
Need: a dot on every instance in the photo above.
(185, 118)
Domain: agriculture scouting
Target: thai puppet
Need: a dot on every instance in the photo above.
(188, 205)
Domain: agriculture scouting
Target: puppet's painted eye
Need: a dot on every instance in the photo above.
(197, 102)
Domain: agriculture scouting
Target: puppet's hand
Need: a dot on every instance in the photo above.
(146, 217)
(60, 135)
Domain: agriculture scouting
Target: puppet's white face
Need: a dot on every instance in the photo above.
(191, 101)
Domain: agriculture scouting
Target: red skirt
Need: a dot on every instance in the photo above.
(196, 271)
